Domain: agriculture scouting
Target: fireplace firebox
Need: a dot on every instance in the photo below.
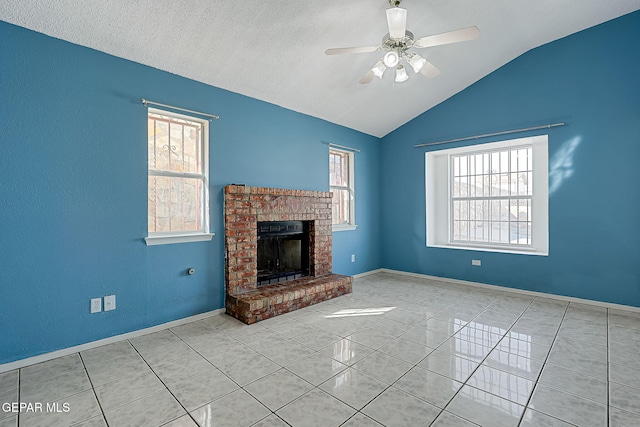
(283, 251)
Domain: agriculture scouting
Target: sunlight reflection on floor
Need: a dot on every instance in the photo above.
(350, 312)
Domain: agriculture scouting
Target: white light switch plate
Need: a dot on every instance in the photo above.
(109, 303)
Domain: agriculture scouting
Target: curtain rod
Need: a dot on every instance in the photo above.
(331, 144)
(145, 102)
(506, 132)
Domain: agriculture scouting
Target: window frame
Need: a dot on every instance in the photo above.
(439, 198)
(351, 225)
(162, 238)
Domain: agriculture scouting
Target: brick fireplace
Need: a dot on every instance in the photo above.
(245, 207)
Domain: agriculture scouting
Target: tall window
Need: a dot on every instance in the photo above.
(178, 189)
(489, 196)
(341, 185)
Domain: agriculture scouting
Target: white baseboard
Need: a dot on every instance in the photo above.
(515, 290)
(367, 273)
(93, 344)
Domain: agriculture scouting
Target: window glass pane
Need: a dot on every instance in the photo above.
(175, 147)
(174, 204)
(192, 149)
(340, 206)
(504, 162)
(174, 144)
(158, 145)
(456, 210)
(463, 165)
(464, 230)
(472, 165)
(523, 159)
(479, 159)
(338, 168)
(456, 186)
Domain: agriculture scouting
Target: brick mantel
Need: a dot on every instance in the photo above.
(244, 208)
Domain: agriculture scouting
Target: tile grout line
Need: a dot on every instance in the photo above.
(75, 393)
(240, 387)
(258, 379)
(493, 348)
(434, 349)
(93, 389)
(414, 366)
(314, 387)
(485, 358)
(374, 350)
(441, 344)
(165, 385)
(544, 363)
(227, 376)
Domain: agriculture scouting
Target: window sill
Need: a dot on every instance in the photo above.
(523, 251)
(344, 227)
(167, 239)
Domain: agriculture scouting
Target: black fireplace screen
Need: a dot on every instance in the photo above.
(283, 251)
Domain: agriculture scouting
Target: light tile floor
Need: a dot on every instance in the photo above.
(399, 351)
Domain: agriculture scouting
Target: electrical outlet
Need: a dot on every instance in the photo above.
(96, 305)
(476, 262)
(353, 257)
(109, 303)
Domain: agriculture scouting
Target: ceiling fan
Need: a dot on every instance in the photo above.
(397, 43)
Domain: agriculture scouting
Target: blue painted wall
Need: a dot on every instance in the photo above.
(73, 185)
(588, 80)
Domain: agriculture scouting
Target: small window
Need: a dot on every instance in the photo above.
(341, 185)
(178, 186)
(491, 197)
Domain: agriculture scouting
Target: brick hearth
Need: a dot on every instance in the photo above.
(244, 208)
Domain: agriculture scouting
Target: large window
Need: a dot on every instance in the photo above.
(489, 196)
(341, 185)
(178, 189)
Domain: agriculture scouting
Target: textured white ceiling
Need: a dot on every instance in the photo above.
(274, 50)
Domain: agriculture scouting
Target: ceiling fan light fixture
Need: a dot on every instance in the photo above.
(397, 22)
(378, 69)
(401, 74)
(391, 59)
(417, 62)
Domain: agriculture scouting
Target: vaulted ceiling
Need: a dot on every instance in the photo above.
(274, 50)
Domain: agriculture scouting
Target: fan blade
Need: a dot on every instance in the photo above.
(430, 70)
(367, 78)
(341, 50)
(397, 22)
(457, 36)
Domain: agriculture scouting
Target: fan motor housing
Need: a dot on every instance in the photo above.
(398, 44)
